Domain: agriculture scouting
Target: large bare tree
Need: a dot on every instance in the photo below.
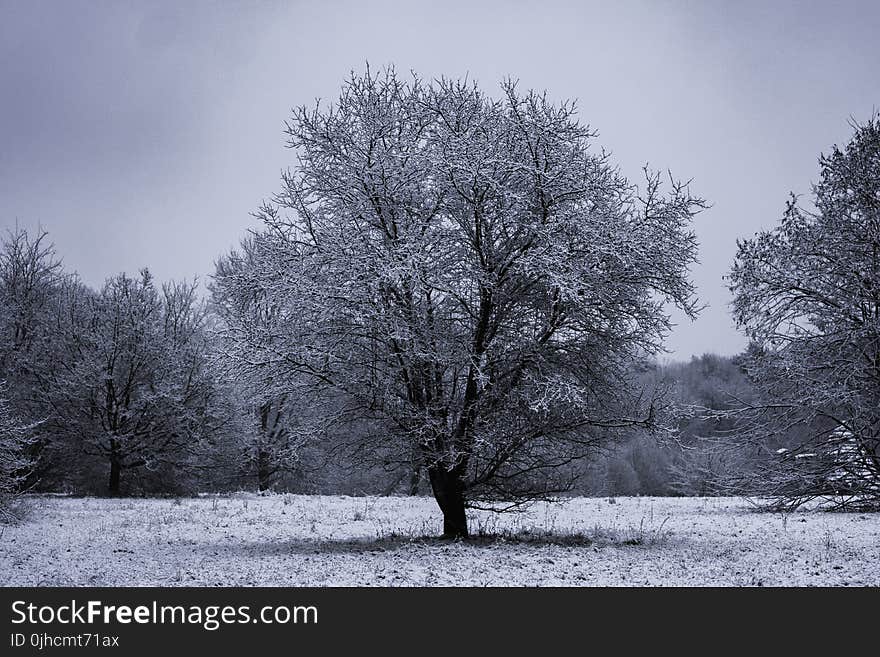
(471, 280)
(808, 294)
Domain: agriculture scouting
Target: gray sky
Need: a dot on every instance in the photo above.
(144, 133)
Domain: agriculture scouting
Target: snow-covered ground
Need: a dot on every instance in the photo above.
(294, 540)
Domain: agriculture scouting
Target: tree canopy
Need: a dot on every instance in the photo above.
(470, 275)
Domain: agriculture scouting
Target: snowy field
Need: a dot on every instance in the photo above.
(293, 540)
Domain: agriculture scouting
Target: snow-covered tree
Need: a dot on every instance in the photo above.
(270, 445)
(808, 294)
(31, 278)
(133, 388)
(471, 280)
(29, 274)
(15, 461)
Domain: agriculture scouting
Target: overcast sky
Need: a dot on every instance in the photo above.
(144, 133)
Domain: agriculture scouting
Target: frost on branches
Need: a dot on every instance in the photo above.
(808, 294)
(132, 389)
(15, 461)
(276, 426)
(466, 278)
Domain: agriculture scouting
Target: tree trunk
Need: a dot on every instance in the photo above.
(415, 478)
(264, 473)
(449, 493)
(115, 470)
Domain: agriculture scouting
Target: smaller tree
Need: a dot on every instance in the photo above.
(808, 294)
(282, 420)
(15, 463)
(133, 388)
(29, 275)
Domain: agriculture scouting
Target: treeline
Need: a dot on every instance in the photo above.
(118, 385)
(696, 455)
(123, 391)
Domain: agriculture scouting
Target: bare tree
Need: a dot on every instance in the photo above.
(29, 273)
(271, 443)
(132, 387)
(30, 280)
(15, 462)
(30, 276)
(808, 294)
(470, 278)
